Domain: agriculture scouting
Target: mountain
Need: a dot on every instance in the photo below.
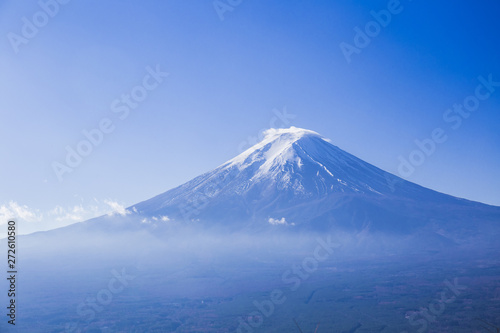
(288, 208)
(296, 180)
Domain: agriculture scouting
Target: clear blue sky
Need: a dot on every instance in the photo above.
(225, 79)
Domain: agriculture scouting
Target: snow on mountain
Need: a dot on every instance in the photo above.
(285, 154)
(297, 181)
(298, 176)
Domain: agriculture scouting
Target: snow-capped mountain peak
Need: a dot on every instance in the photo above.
(277, 149)
(278, 142)
(294, 174)
(302, 161)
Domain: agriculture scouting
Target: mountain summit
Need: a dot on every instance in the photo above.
(307, 164)
(295, 178)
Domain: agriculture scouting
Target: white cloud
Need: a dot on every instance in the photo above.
(13, 210)
(58, 210)
(279, 222)
(163, 218)
(73, 214)
(58, 216)
(117, 208)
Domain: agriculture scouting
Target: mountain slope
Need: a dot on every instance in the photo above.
(298, 179)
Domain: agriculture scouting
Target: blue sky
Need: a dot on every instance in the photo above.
(226, 81)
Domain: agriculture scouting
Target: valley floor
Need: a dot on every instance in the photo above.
(432, 293)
